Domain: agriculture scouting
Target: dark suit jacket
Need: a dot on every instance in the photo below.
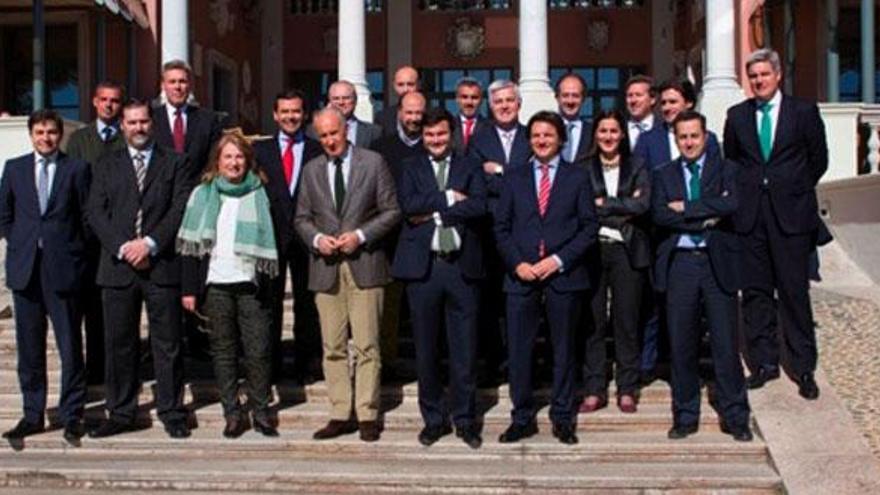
(458, 133)
(568, 229)
(283, 204)
(653, 146)
(113, 204)
(626, 212)
(203, 129)
(719, 200)
(396, 152)
(62, 228)
(798, 159)
(386, 119)
(583, 150)
(486, 146)
(419, 195)
(85, 144)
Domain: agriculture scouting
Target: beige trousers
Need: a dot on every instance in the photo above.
(346, 306)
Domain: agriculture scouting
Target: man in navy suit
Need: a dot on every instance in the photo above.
(440, 256)
(779, 143)
(42, 217)
(571, 91)
(694, 201)
(544, 224)
(468, 97)
(640, 98)
(283, 158)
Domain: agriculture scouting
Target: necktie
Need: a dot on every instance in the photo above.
(468, 129)
(543, 198)
(569, 151)
(43, 184)
(694, 192)
(445, 235)
(179, 133)
(287, 161)
(108, 133)
(507, 142)
(140, 173)
(765, 133)
(338, 185)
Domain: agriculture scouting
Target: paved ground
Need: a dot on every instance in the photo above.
(848, 332)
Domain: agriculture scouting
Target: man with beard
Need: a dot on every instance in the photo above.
(135, 207)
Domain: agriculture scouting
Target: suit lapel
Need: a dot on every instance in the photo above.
(324, 184)
(356, 175)
(710, 169)
(751, 130)
(678, 184)
(623, 178)
(780, 135)
(60, 174)
(598, 176)
(163, 127)
(193, 119)
(30, 181)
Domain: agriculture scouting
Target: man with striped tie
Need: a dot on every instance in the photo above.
(135, 206)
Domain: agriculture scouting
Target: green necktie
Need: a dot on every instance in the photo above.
(339, 185)
(445, 234)
(765, 133)
(694, 192)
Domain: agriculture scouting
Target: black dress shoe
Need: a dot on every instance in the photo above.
(265, 427)
(73, 432)
(335, 428)
(807, 387)
(22, 429)
(234, 427)
(430, 434)
(740, 434)
(677, 432)
(177, 429)
(110, 428)
(516, 432)
(564, 432)
(369, 430)
(761, 376)
(469, 435)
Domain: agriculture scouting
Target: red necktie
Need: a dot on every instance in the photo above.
(287, 161)
(179, 132)
(543, 198)
(468, 128)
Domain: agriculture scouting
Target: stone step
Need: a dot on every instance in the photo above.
(517, 475)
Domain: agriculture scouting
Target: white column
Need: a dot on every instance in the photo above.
(175, 31)
(534, 85)
(720, 89)
(353, 53)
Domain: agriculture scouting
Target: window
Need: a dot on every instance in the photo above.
(464, 5)
(604, 86)
(329, 7)
(439, 84)
(316, 83)
(586, 4)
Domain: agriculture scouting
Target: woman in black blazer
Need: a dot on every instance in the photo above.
(622, 190)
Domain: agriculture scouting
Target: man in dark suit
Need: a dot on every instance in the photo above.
(543, 243)
(694, 202)
(406, 80)
(343, 97)
(468, 97)
(346, 207)
(135, 207)
(283, 158)
(640, 98)
(440, 256)
(42, 217)
(779, 143)
(89, 144)
(571, 91)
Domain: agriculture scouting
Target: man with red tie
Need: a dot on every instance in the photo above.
(468, 97)
(543, 244)
(283, 157)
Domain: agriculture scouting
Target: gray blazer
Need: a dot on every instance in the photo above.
(370, 205)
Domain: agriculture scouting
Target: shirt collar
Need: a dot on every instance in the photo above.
(466, 119)
(49, 159)
(405, 138)
(700, 161)
(283, 138)
(147, 151)
(345, 156)
(101, 125)
(552, 163)
(774, 101)
(647, 122)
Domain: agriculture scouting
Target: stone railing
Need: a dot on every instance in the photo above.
(15, 141)
(853, 132)
(330, 7)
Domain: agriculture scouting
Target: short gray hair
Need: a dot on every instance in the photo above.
(341, 83)
(329, 110)
(765, 55)
(499, 84)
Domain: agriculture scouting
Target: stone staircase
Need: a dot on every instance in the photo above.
(617, 453)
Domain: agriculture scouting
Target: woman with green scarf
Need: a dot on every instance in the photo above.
(229, 258)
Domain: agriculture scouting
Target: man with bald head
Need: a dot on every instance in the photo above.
(406, 80)
(342, 96)
(346, 207)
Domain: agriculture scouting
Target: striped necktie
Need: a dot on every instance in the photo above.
(543, 199)
(140, 172)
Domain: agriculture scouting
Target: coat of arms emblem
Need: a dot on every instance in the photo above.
(465, 40)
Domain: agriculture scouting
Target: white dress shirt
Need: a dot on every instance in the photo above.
(632, 127)
(331, 180)
(507, 138)
(574, 129)
(450, 200)
(146, 153)
(226, 267)
(775, 103)
(298, 147)
(673, 144)
(171, 110)
(612, 181)
(351, 130)
(52, 165)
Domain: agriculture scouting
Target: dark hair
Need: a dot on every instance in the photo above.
(551, 118)
(291, 94)
(575, 76)
(435, 115)
(617, 115)
(684, 87)
(687, 116)
(45, 115)
(111, 84)
(468, 81)
(137, 103)
(177, 64)
(641, 79)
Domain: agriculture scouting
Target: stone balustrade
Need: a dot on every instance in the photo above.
(853, 133)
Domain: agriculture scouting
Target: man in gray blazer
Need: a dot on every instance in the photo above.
(347, 204)
(342, 96)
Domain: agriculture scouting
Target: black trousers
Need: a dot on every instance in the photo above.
(306, 327)
(775, 261)
(562, 310)
(92, 318)
(692, 291)
(445, 299)
(626, 286)
(32, 305)
(122, 313)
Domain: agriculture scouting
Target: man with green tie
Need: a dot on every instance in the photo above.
(779, 143)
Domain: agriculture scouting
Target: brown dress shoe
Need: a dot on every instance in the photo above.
(335, 428)
(234, 427)
(593, 403)
(369, 430)
(627, 403)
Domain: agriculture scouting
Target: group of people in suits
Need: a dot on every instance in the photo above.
(486, 230)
